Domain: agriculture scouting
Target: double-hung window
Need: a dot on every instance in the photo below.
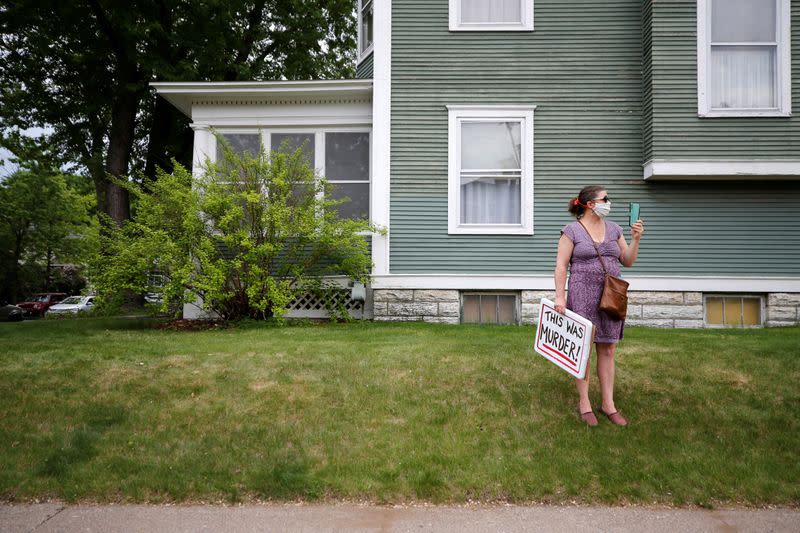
(490, 170)
(366, 11)
(491, 15)
(341, 155)
(347, 170)
(743, 58)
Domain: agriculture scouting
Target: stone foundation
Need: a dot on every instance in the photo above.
(439, 306)
(645, 308)
(783, 309)
(665, 309)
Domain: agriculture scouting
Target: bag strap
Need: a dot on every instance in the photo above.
(596, 247)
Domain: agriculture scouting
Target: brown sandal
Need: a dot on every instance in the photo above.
(588, 417)
(615, 418)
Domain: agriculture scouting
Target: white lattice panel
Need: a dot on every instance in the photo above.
(313, 306)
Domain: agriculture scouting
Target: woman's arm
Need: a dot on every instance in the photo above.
(565, 247)
(629, 254)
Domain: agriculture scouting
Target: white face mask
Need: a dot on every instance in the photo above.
(602, 210)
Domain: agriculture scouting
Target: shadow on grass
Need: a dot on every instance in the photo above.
(88, 324)
(289, 478)
(79, 446)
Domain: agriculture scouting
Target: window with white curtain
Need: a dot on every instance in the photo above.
(491, 15)
(490, 167)
(743, 58)
(366, 11)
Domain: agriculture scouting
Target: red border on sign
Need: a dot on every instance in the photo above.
(567, 361)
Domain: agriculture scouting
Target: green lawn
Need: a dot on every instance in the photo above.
(103, 410)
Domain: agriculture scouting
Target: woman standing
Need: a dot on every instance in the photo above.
(576, 251)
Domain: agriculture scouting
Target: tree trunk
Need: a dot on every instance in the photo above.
(120, 145)
(47, 276)
(94, 163)
(160, 136)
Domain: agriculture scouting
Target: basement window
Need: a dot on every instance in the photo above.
(487, 308)
(733, 311)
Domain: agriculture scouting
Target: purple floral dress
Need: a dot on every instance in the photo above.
(586, 278)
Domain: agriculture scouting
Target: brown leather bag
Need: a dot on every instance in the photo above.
(614, 300)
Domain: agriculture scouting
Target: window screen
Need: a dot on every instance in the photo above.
(733, 311)
(347, 170)
(489, 308)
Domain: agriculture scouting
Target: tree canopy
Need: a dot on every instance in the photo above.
(83, 67)
(45, 218)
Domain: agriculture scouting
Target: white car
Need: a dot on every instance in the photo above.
(71, 304)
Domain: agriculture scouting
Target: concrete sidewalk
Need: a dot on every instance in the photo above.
(362, 518)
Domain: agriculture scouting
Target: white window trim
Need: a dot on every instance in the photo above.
(364, 53)
(456, 115)
(784, 65)
(730, 169)
(526, 24)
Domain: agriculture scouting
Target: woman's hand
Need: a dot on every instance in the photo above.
(637, 229)
(561, 304)
(628, 254)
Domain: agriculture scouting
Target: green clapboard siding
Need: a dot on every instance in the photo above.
(364, 68)
(582, 67)
(647, 79)
(672, 128)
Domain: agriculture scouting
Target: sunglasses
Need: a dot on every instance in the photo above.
(604, 199)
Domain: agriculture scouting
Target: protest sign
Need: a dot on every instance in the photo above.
(565, 340)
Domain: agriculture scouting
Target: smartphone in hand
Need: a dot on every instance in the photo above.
(634, 213)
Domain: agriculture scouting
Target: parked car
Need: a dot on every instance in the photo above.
(37, 304)
(71, 305)
(11, 313)
(154, 297)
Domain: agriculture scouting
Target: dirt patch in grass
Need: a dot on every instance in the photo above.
(191, 325)
(259, 386)
(735, 379)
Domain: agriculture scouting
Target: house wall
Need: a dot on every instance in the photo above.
(582, 69)
(647, 80)
(672, 127)
(364, 68)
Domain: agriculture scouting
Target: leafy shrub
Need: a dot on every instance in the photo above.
(246, 237)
